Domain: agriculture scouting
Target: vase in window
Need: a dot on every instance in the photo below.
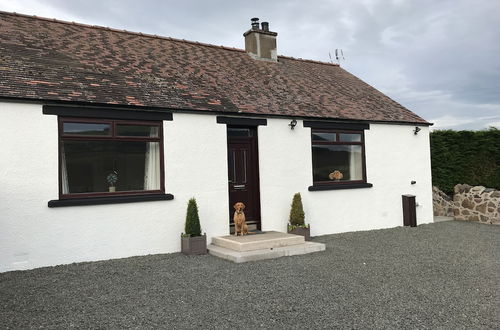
(112, 178)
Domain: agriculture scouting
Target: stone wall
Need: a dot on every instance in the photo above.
(443, 204)
(476, 204)
(469, 203)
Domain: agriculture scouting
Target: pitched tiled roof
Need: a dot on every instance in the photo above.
(44, 59)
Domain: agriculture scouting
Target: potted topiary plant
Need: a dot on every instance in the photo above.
(192, 241)
(112, 178)
(297, 216)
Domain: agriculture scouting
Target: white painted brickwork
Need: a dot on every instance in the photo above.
(33, 235)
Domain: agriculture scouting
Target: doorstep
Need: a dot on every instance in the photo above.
(251, 242)
(268, 245)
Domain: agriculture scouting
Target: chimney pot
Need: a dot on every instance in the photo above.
(255, 23)
(265, 26)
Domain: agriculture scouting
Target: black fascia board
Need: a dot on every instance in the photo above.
(95, 112)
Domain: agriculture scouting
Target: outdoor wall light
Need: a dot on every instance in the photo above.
(292, 124)
(416, 130)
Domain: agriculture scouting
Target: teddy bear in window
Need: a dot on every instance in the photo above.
(336, 175)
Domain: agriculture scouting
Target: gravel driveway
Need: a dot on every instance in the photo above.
(438, 275)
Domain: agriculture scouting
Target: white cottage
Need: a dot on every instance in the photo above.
(105, 135)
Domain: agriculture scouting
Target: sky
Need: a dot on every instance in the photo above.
(438, 58)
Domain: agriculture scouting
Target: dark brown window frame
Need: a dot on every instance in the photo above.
(330, 185)
(112, 137)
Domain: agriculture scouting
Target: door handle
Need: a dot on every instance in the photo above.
(239, 186)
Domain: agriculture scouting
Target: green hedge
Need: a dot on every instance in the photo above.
(471, 157)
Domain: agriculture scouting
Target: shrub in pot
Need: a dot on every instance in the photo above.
(192, 241)
(297, 216)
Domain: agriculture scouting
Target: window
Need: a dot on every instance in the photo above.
(101, 157)
(338, 157)
(239, 132)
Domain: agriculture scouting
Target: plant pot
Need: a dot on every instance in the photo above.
(194, 245)
(306, 232)
(112, 189)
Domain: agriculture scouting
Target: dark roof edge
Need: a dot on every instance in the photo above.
(221, 113)
(154, 36)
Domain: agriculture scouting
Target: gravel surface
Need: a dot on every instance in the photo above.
(442, 275)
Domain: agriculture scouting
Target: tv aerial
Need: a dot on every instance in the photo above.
(339, 55)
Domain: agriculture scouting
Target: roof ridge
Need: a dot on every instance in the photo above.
(308, 61)
(106, 28)
(155, 36)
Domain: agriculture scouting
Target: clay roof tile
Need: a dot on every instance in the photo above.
(47, 59)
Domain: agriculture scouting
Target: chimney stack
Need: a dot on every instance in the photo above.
(260, 43)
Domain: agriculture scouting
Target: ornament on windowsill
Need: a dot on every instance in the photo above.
(336, 175)
(112, 178)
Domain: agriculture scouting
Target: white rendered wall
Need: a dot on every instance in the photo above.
(394, 158)
(34, 235)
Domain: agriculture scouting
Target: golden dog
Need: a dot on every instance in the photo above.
(240, 225)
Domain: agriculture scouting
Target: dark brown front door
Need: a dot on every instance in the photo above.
(243, 169)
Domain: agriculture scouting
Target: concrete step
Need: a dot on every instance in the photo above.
(267, 240)
(268, 253)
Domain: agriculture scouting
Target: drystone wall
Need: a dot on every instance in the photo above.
(443, 204)
(476, 204)
(469, 203)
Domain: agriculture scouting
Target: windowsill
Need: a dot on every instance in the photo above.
(109, 200)
(340, 186)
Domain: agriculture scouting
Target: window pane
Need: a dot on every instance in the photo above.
(86, 129)
(350, 137)
(231, 165)
(89, 166)
(239, 132)
(347, 159)
(327, 137)
(137, 130)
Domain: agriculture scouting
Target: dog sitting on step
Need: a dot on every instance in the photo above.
(240, 225)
